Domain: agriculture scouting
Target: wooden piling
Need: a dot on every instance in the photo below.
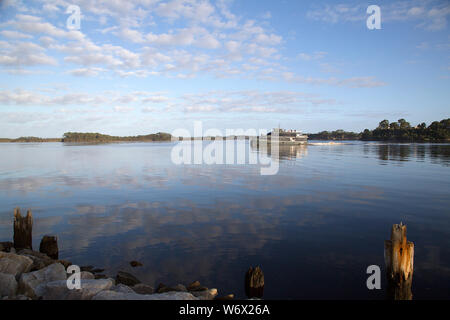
(254, 283)
(49, 246)
(399, 260)
(23, 228)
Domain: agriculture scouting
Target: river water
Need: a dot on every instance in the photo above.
(314, 227)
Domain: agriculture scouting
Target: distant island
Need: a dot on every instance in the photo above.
(97, 137)
(88, 137)
(399, 131)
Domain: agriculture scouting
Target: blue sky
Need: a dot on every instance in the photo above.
(137, 67)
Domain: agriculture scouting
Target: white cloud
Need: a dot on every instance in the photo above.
(430, 15)
(12, 34)
(24, 54)
(312, 56)
(353, 82)
(86, 72)
(123, 109)
(253, 101)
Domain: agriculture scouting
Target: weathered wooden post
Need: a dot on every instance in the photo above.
(23, 227)
(254, 283)
(49, 246)
(399, 260)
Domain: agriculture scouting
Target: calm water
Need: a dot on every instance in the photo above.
(313, 228)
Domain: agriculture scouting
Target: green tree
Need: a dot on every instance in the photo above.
(394, 125)
(403, 124)
(383, 124)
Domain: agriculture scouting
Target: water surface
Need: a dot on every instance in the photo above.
(313, 228)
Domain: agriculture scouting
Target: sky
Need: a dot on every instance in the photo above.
(145, 66)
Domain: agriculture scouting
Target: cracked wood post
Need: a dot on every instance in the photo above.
(23, 228)
(399, 260)
(49, 246)
(254, 283)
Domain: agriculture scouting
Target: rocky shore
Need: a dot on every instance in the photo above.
(30, 275)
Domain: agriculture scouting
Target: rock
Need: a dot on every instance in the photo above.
(199, 289)
(86, 275)
(29, 282)
(163, 288)
(121, 288)
(86, 268)
(126, 278)
(112, 295)
(65, 263)
(57, 290)
(194, 285)
(209, 294)
(136, 264)
(142, 288)
(14, 264)
(49, 246)
(180, 287)
(40, 260)
(6, 246)
(8, 285)
(18, 297)
(100, 276)
(227, 297)
(97, 270)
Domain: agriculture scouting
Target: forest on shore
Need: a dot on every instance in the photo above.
(82, 137)
(401, 131)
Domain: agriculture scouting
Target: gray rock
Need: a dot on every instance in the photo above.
(18, 297)
(29, 282)
(126, 278)
(6, 246)
(194, 285)
(8, 285)
(209, 294)
(121, 288)
(227, 297)
(180, 287)
(174, 295)
(14, 264)
(143, 288)
(57, 290)
(40, 260)
(65, 263)
(87, 275)
(86, 268)
(162, 288)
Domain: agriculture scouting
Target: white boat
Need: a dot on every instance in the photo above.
(285, 137)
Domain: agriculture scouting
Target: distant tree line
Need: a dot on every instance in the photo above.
(335, 135)
(401, 130)
(437, 131)
(98, 137)
(30, 139)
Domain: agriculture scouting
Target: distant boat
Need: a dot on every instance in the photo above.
(285, 137)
